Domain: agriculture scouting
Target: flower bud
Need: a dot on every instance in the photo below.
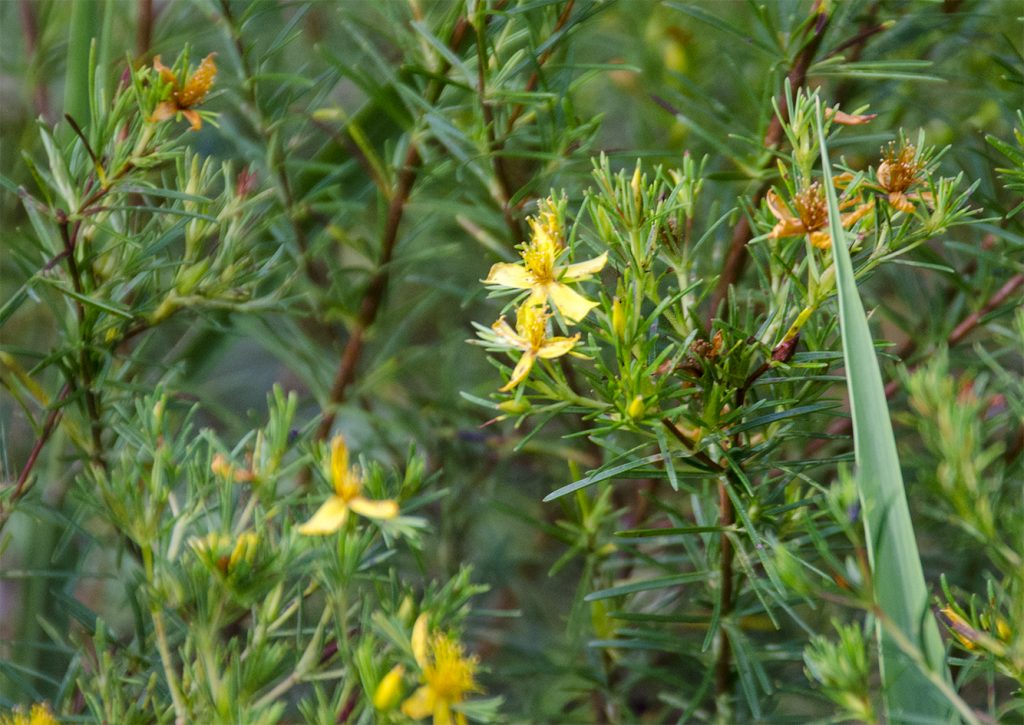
(636, 408)
(618, 319)
(389, 691)
(516, 406)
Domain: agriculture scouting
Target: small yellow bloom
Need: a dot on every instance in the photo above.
(221, 466)
(348, 486)
(447, 676)
(899, 172)
(185, 96)
(389, 691)
(540, 272)
(39, 715)
(530, 336)
(811, 216)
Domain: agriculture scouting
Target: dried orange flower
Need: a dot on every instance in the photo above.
(811, 214)
(899, 171)
(185, 96)
(849, 119)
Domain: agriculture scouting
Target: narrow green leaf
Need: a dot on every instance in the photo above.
(645, 585)
(899, 585)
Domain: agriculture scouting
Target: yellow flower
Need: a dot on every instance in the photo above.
(900, 171)
(811, 216)
(185, 96)
(348, 485)
(446, 674)
(530, 336)
(40, 715)
(540, 272)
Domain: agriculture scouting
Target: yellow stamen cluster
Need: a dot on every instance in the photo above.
(450, 674)
(39, 715)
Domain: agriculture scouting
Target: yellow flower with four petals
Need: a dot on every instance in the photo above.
(531, 336)
(446, 673)
(540, 272)
(348, 486)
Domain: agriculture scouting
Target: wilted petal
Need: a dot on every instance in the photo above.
(163, 111)
(582, 270)
(521, 370)
(791, 227)
(884, 174)
(776, 207)
(848, 220)
(848, 119)
(193, 118)
(166, 74)
(557, 346)
(386, 509)
(510, 275)
(570, 304)
(420, 704)
(329, 518)
(898, 200)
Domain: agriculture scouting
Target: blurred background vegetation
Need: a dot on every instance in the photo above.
(380, 175)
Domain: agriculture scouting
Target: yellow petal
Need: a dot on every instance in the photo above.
(821, 240)
(557, 346)
(510, 275)
(420, 704)
(571, 304)
(522, 369)
(506, 333)
(582, 270)
(329, 518)
(442, 713)
(386, 509)
(419, 640)
(339, 463)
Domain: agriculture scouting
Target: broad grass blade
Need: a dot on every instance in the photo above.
(900, 592)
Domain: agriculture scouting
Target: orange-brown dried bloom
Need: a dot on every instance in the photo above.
(811, 214)
(185, 96)
(900, 170)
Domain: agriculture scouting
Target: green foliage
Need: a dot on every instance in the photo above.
(252, 471)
